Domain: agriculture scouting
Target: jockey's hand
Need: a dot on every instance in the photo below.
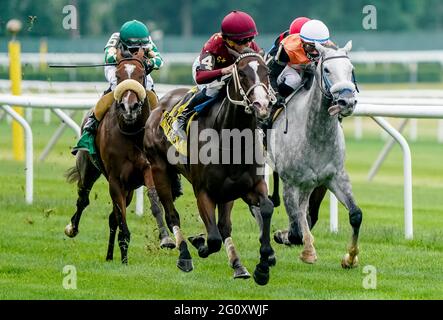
(227, 70)
(149, 53)
(149, 66)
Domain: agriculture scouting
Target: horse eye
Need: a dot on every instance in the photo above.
(327, 70)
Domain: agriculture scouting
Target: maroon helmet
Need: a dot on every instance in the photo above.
(238, 25)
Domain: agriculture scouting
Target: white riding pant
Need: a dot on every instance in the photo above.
(112, 79)
(290, 77)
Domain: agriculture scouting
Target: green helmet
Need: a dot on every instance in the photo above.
(134, 34)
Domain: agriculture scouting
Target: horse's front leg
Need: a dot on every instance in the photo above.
(119, 201)
(225, 228)
(296, 203)
(341, 187)
(156, 210)
(261, 208)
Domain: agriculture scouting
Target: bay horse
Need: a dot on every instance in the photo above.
(311, 156)
(217, 184)
(119, 142)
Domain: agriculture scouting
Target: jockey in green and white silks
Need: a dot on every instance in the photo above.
(132, 36)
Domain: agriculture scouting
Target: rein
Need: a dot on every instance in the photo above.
(238, 87)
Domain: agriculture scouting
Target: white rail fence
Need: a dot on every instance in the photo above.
(375, 111)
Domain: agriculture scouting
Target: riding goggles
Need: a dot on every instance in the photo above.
(242, 41)
(137, 43)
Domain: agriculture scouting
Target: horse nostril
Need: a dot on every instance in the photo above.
(342, 102)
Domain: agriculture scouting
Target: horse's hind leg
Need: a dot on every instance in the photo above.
(225, 228)
(113, 225)
(87, 174)
(296, 203)
(206, 208)
(341, 187)
(163, 187)
(156, 209)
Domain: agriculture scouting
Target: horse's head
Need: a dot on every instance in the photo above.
(250, 77)
(335, 74)
(130, 92)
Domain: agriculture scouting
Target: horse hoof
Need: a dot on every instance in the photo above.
(347, 263)
(308, 257)
(241, 273)
(70, 232)
(167, 243)
(203, 252)
(281, 237)
(185, 265)
(197, 241)
(261, 277)
(272, 261)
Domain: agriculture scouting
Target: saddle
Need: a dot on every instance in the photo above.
(169, 117)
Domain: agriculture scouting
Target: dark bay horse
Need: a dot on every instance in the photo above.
(220, 181)
(312, 155)
(119, 144)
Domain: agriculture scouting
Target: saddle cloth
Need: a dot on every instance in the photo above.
(169, 117)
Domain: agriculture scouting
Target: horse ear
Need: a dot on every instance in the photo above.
(320, 48)
(348, 46)
(234, 53)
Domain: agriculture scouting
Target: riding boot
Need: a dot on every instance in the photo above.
(179, 125)
(86, 141)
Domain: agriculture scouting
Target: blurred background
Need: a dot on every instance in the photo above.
(394, 41)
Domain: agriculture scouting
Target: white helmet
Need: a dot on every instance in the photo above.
(314, 31)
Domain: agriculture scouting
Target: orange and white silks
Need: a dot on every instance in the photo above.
(293, 46)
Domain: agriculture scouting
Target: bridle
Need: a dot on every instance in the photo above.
(238, 87)
(141, 64)
(126, 133)
(325, 84)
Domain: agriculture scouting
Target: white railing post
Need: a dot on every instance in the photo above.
(407, 171)
(29, 166)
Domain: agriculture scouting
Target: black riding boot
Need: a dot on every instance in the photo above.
(182, 119)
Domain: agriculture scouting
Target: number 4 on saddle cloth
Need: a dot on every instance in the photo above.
(179, 139)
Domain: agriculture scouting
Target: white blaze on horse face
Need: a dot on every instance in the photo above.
(260, 94)
(125, 101)
(129, 68)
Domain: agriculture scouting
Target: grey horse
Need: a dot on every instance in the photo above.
(312, 153)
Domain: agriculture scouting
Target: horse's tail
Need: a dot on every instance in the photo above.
(72, 174)
(176, 186)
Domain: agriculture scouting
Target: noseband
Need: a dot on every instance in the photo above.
(326, 89)
(238, 87)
